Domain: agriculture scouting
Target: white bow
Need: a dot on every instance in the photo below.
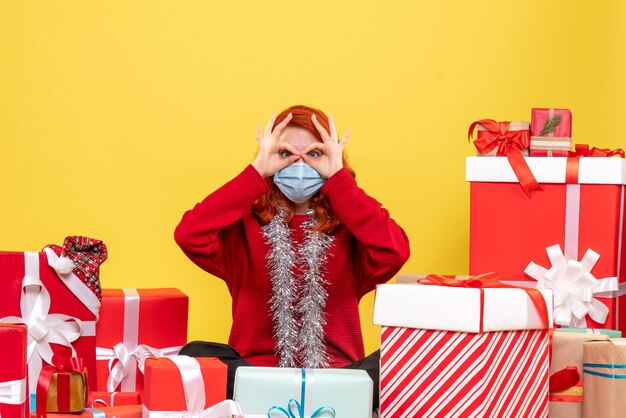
(574, 287)
(193, 387)
(43, 328)
(122, 361)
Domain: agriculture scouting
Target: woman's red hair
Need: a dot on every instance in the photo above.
(266, 206)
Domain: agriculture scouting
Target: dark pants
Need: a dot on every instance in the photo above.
(233, 360)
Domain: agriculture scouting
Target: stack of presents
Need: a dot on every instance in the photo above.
(534, 330)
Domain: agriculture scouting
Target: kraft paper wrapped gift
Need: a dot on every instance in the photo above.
(567, 351)
(67, 310)
(136, 324)
(62, 387)
(13, 371)
(98, 399)
(550, 132)
(122, 411)
(567, 237)
(457, 351)
(604, 368)
(265, 391)
(181, 386)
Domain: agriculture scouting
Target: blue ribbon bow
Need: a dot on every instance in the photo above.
(299, 406)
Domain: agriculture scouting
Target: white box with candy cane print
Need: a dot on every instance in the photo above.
(463, 351)
(56, 294)
(567, 237)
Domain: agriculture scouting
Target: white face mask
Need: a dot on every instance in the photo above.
(298, 181)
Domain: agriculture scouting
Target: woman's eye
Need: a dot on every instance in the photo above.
(314, 154)
(285, 154)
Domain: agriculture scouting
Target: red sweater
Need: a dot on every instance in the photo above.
(223, 236)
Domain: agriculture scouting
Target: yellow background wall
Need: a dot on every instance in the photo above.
(117, 116)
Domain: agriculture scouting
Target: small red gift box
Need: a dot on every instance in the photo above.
(136, 324)
(65, 314)
(62, 387)
(165, 389)
(550, 132)
(122, 411)
(13, 390)
(99, 399)
(574, 227)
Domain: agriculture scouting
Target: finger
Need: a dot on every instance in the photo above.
(288, 161)
(317, 146)
(270, 124)
(279, 128)
(344, 140)
(258, 132)
(284, 145)
(320, 128)
(333, 130)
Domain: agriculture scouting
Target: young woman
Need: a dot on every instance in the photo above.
(298, 244)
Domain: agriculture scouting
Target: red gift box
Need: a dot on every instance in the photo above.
(187, 386)
(136, 324)
(13, 391)
(447, 350)
(64, 315)
(122, 411)
(581, 208)
(550, 132)
(98, 399)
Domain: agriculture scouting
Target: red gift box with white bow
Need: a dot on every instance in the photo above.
(566, 237)
(13, 390)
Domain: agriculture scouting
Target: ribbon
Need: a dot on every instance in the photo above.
(193, 388)
(613, 368)
(489, 280)
(43, 328)
(128, 356)
(574, 287)
(299, 406)
(509, 144)
(564, 379)
(13, 392)
(64, 365)
(583, 150)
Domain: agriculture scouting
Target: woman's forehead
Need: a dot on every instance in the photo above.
(299, 138)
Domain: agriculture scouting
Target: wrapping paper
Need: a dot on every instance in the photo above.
(604, 369)
(136, 324)
(435, 363)
(556, 143)
(98, 399)
(508, 231)
(123, 411)
(524, 140)
(163, 384)
(70, 386)
(567, 351)
(66, 313)
(13, 371)
(261, 390)
(612, 333)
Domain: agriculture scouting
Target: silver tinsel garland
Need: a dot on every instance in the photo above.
(298, 297)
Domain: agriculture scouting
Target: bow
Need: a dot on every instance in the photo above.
(299, 406)
(63, 366)
(564, 379)
(43, 328)
(509, 144)
(583, 150)
(574, 287)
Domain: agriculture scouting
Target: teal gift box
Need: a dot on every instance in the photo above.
(613, 333)
(303, 393)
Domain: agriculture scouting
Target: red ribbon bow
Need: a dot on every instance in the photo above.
(510, 144)
(583, 150)
(489, 280)
(63, 365)
(564, 379)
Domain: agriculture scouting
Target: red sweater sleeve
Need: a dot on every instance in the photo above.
(211, 233)
(381, 247)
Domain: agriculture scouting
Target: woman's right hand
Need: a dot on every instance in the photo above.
(268, 160)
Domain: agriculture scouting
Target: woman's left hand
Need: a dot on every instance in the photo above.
(330, 158)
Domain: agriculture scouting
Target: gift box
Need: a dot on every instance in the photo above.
(604, 368)
(567, 237)
(99, 399)
(264, 391)
(612, 333)
(62, 387)
(122, 411)
(566, 395)
(136, 324)
(13, 390)
(181, 386)
(452, 350)
(550, 132)
(66, 309)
